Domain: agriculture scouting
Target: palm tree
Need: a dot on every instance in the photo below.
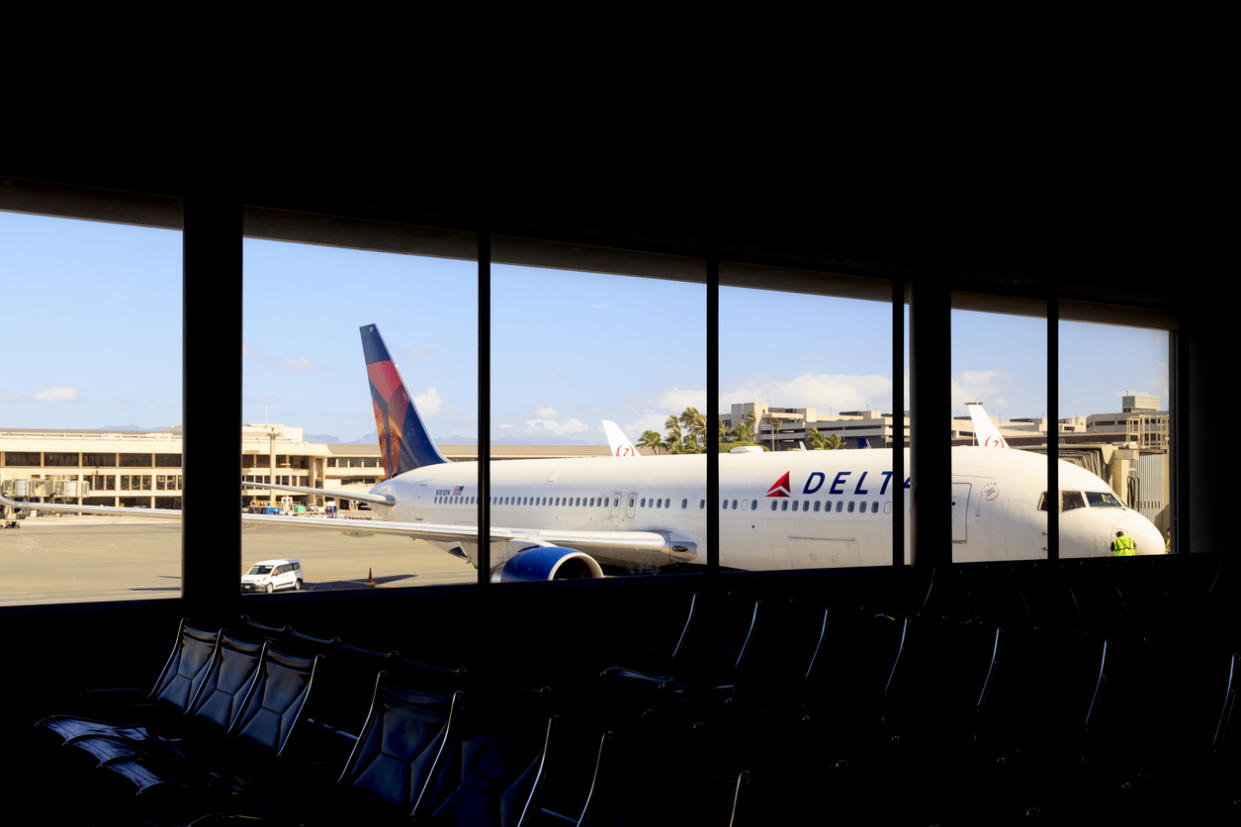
(652, 440)
(833, 442)
(696, 424)
(673, 436)
(742, 432)
(814, 439)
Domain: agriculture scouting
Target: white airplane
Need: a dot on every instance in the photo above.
(565, 518)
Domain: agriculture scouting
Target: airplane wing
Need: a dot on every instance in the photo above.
(623, 546)
(984, 429)
(617, 441)
(653, 548)
(160, 513)
(338, 493)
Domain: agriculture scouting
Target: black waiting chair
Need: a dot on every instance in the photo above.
(127, 712)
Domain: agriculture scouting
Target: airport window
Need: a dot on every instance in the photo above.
(307, 385)
(795, 363)
(1115, 390)
(85, 398)
(135, 460)
(654, 391)
(167, 460)
(999, 392)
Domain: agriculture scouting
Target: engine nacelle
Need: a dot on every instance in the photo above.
(549, 563)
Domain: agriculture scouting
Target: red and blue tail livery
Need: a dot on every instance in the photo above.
(404, 443)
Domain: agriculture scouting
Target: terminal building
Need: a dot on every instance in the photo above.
(143, 468)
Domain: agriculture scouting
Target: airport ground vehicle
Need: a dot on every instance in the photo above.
(270, 575)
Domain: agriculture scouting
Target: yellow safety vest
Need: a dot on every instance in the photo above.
(1123, 547)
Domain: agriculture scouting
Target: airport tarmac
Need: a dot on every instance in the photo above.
(78, 559)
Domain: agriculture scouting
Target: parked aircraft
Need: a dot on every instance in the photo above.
(577, 517)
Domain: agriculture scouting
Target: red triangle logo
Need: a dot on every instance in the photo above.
(781, 488)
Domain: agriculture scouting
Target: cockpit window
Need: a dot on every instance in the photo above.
(1069, 501)
(1102, 499)
(1073, 499)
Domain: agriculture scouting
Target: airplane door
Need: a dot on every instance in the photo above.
(960, 510)
(422, 492)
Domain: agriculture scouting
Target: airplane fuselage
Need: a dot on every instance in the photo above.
(802, 509)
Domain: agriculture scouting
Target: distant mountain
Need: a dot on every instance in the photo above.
(329, 439)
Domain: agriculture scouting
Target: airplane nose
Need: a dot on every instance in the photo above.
(1147, 538)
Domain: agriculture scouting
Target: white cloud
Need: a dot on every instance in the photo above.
(986, 386)
(428, 402)
(555, 427)
(545, 411)
(58, 393)
(301, 364)
(678, 399)
(649, 421)
(827, 392)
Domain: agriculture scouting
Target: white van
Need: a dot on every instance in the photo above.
(269, 575)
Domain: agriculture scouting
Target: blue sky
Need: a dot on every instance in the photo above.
(92, 319)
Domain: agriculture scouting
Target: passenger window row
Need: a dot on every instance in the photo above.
(850, 507)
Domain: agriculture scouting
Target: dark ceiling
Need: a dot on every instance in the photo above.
(1108, 238)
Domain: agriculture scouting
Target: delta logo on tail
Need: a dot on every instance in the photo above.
(781, 488)
(403, 440)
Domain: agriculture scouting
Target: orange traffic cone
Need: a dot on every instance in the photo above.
(370, 581)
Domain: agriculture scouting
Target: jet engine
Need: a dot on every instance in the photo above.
(549, 563)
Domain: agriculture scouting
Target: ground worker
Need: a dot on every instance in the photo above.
(1123, 546)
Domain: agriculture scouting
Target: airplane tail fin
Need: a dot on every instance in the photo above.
(617, 441)
(863, 442)
(404, 443)
(984, 429)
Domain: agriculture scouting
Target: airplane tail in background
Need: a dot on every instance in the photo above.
(617, 441)
(985, 432)
(404, 443)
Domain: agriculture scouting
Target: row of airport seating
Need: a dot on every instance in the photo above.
(1055, 699)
